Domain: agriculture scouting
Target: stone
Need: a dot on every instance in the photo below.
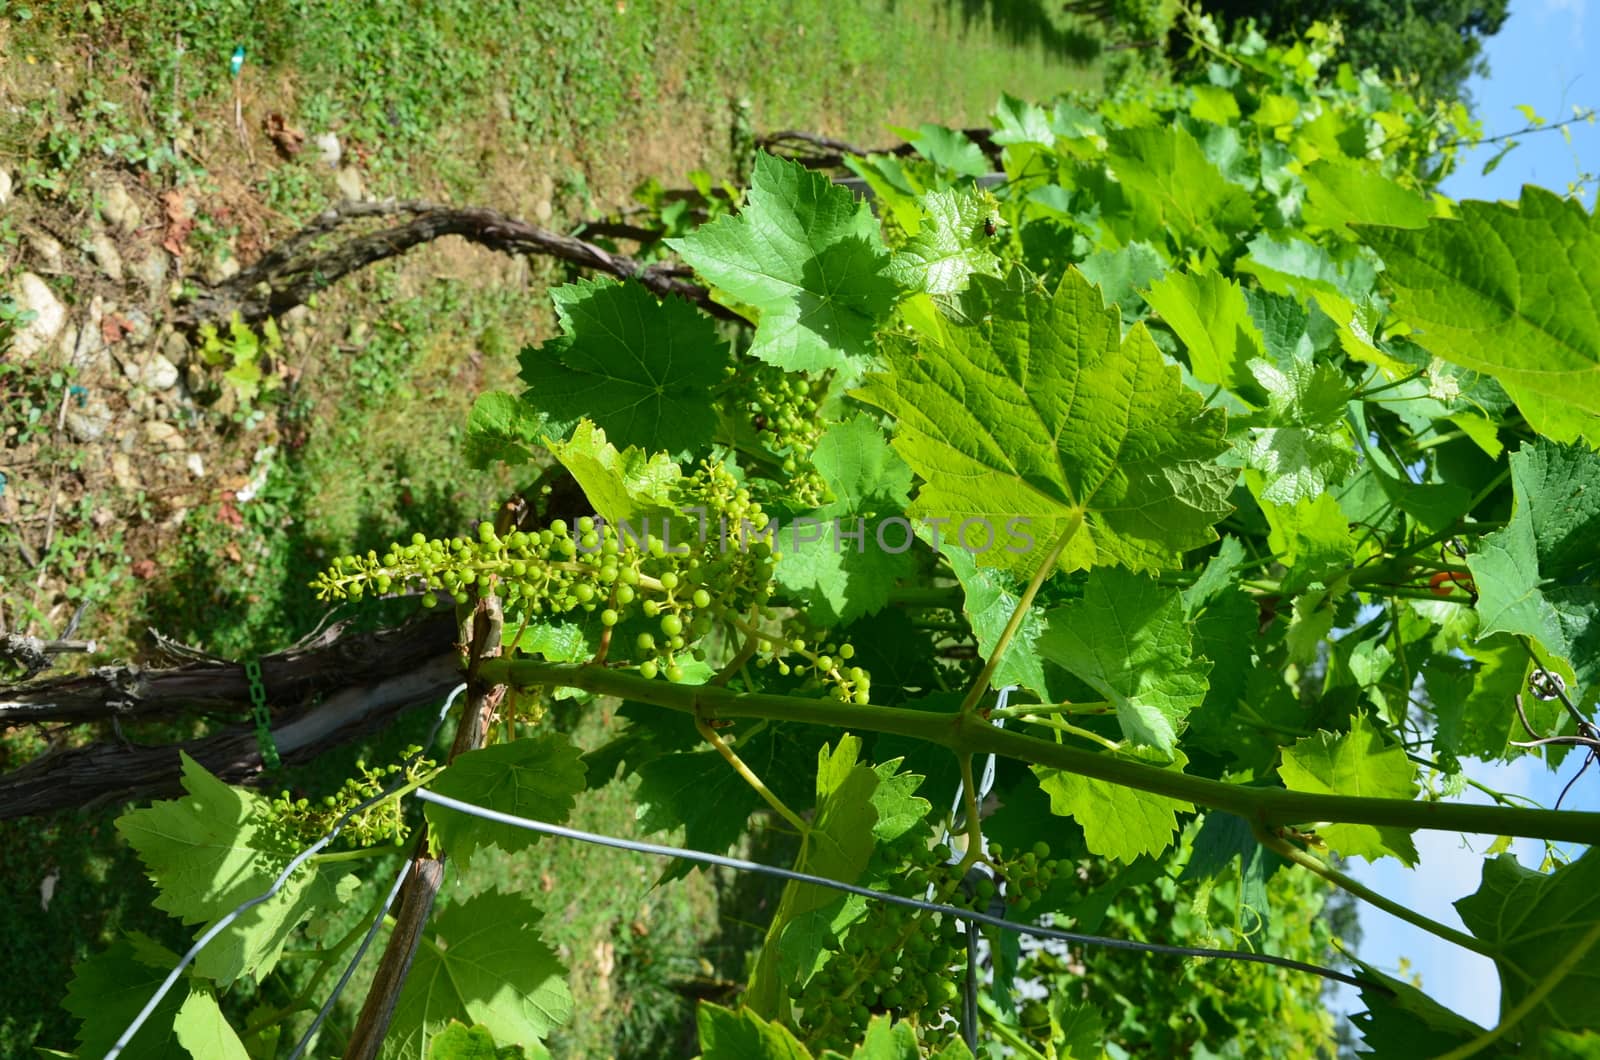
(89, 423)
(220, 266)
(119, 209)
(104, 251)
(49, 252)
(151, 270)
(542, 211)
(175, 347)
(196, 466)
(159, 434)
(5, 186)
(329, 150)
(122, 472)
(350, 184)
(50, 316)
(158, 373)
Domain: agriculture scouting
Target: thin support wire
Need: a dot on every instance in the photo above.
(277, 885)
(969, 915)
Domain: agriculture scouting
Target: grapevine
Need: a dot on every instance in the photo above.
(1189, 428)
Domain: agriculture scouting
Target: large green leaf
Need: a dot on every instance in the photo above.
(1118, 822)
(1519, 570)
(1033, 421)
(487, 965)
(212, 850)
(630, 486)
(729, 1034)
(535, 777)
(1360, 763)
(1340, 193)
(1176, 189)
(842, 563)
(952, 244)
(990, 598)
(809, 258)
(201, 1028)
(1509, 290)
(109, 989)
(641, 369)
(1210, 314)
(1530, 918)
(1129, 640)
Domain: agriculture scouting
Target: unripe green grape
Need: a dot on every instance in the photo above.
(847, 651)
(671, 625)
(674, 674)
(625, 594)
(429, 600)
(648, 669)
(486, 532)
(669, 581)
(629, 576)
(675, 642)
(583, 591)
(646, 642)
(419, 539)
(557, 527)
(608, 617)
(702, 598)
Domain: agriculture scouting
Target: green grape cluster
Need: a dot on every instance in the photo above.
(297, 821)
(784, 410)
(1027, 875)
(679, 585)
(897, 960)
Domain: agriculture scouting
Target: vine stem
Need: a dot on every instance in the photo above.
(981, 684)
(1569, 960)
(715, 739)
(1270, 807)
(1290, 852)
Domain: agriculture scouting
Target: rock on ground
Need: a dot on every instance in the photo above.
(34, 295)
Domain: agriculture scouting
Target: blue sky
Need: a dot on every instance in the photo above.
(1546, 57)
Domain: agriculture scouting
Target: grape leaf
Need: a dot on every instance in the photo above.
(502, 428)
(1297, 464)
(1340, 193)
(1402, 1023)
(1357, 762)
(1129, 640)
(109, 989)
(1551, 524)
(990, 599)
(839, 561)
(1525, 915)
(209, 852)
(490, 967)
(1212, 318)
(201, 1028)
(1122, 273)
(950, 148)
(699, 792)
(534, 777)
(1311, 536)
(808, 258)
(951, 245)
(1020, 122)
(1175, 186)
(1118, 822)
(729, 1034)
(837, 846)
(1036, 421)
(1509, 290)
(460, 1042)
(629, 486)
(643, 370)
(1469, 700)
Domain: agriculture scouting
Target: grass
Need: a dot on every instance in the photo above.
(553, 110)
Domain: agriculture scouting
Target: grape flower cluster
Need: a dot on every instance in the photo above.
(668, 590)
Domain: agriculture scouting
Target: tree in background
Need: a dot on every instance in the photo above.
(1438, 43)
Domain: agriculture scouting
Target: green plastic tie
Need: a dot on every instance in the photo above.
(259, 714)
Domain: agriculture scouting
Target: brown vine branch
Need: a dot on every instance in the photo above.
(320, 666)
(84, 777)
(427, 870)
(288, 274)
(815, 151)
